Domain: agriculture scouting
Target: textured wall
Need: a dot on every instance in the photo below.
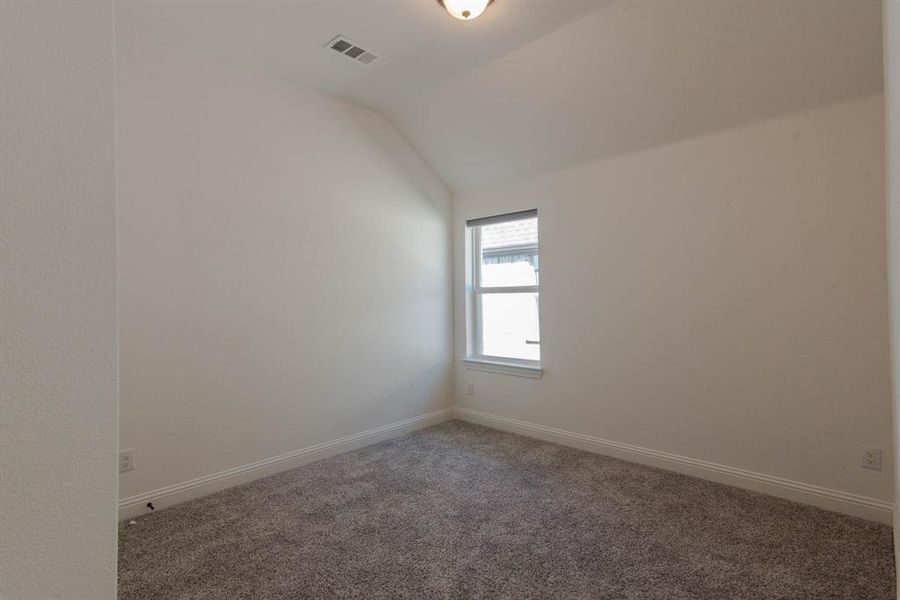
(284, 266)
(723, 298)
(58, 298)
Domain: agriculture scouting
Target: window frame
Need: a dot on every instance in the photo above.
(476, 358)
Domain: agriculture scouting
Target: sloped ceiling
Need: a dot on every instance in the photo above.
(534, 85)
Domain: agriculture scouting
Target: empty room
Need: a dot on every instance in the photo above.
(452, 299)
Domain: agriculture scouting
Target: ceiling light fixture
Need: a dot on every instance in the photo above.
(465, 10)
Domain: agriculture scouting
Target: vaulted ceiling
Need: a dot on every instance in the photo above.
(534, 85)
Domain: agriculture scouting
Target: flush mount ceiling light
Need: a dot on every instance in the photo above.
(465, 10)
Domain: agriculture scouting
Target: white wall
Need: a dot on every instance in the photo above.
(284, 266)
(723, 298)
(58, 298)
(892, 115)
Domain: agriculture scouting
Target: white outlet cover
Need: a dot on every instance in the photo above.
(870, 458)
(126, 460)
(470, 388)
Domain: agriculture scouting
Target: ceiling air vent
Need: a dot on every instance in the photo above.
(344, 46)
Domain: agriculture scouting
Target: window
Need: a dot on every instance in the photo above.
(504, 285)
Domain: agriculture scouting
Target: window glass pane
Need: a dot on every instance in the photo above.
(509, 326)
(509, 253)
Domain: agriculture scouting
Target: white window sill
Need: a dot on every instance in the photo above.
(506, 368)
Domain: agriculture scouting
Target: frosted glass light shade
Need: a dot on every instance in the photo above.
(465, 10)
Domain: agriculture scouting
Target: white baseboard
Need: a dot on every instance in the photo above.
(830, 499)
(201, 486)
(835, 500)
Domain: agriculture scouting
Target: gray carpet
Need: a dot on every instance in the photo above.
(461, 511)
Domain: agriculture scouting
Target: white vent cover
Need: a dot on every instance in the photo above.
(342, 45)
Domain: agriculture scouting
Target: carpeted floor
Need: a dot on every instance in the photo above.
(461, 511)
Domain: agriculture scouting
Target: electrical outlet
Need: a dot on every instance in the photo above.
(870, 458)
(126, 460)
(470, 388)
